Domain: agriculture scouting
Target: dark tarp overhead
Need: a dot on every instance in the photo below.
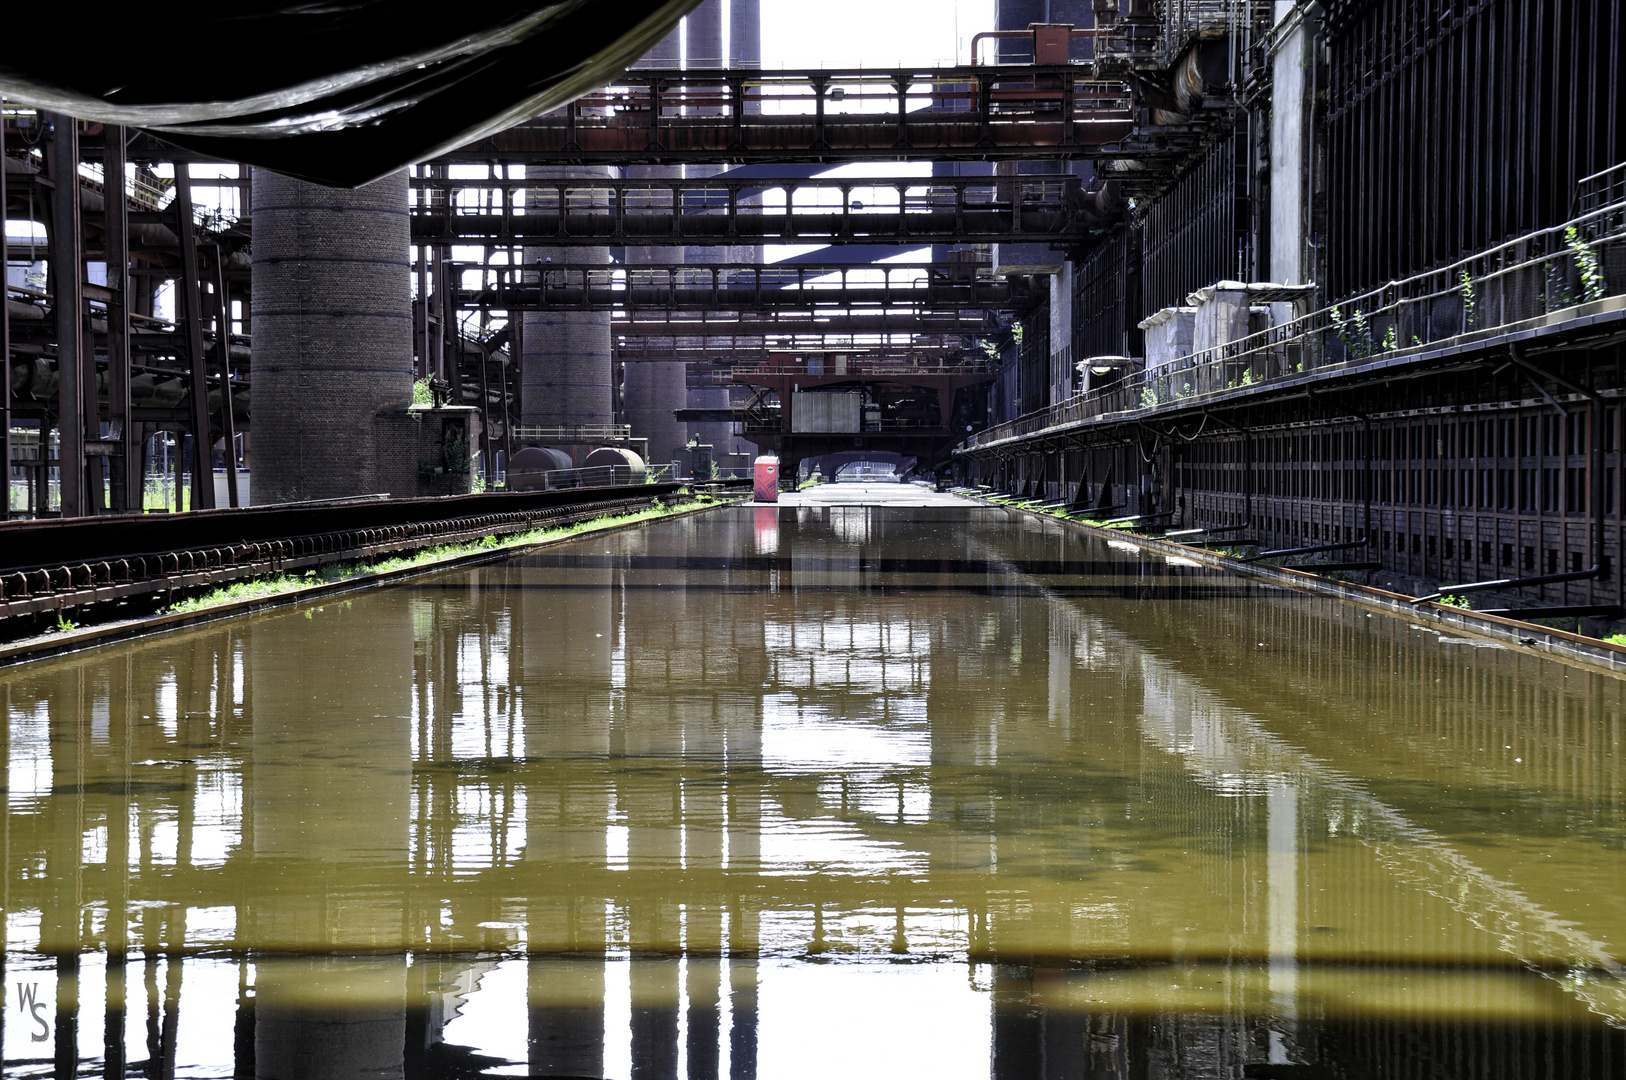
(332, 91)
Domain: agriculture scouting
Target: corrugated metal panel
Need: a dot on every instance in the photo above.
(821, 411)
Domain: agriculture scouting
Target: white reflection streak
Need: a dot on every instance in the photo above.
(1230, 752)
(167, 703)
(28, 772)
(1282, 875)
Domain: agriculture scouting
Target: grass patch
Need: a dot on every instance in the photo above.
(1616, 639)
(331, 573)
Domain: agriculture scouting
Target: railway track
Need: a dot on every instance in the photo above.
(52, 567)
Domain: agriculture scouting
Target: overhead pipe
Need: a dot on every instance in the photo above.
(1508, 583)
(1013, 35)
(1314, 550)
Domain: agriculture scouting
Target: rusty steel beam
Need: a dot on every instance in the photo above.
(228, 423)
(773, 324)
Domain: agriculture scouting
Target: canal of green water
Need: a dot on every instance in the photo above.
(946, 792)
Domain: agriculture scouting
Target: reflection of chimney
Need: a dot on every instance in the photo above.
(331, 785)
(564, 643)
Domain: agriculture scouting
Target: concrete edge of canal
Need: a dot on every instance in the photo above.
(47, 646)
(1591, 653)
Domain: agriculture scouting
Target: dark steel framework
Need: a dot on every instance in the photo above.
(1460, 420)
(91, 361)
(1453, 124)
(725, 210)
(705, 115)
(903, 288)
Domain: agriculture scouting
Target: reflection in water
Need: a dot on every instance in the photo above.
(807, 793)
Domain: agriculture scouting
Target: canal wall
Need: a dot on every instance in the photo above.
(1589, 652)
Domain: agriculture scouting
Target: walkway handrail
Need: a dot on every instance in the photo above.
(1544, 272)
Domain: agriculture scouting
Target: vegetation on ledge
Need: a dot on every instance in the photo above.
(260, 588)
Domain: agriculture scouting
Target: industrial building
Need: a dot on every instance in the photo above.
(401, 681)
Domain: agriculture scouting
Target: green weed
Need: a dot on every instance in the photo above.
(336, 572)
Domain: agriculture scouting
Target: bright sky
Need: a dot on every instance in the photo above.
(870, 33)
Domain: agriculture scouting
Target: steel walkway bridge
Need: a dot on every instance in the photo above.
(726, 210)
(970, 113)
(737, 287)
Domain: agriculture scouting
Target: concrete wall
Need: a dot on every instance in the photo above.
(1062, 375)
(1291, 98)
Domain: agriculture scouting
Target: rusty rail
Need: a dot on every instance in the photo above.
(111, 559)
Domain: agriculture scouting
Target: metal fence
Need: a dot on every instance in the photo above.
(1541, 274)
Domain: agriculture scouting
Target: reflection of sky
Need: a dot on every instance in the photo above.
(827, 846)
(205, 1029)
(829, 1020)
(28, 771)
(808, 740)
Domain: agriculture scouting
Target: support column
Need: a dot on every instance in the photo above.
(745, 33)
(125, 461)
(228, 422)
(191, 310)
(67, 293)
(332, 330)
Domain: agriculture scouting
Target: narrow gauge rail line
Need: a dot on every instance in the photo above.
(53, 566)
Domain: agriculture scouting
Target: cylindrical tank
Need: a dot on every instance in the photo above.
(528, 468)
(628, 467)
(565, 369)
(653, 392)
(332, 333)
(719, 435)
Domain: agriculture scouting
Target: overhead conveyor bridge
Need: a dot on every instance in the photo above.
(966, 113)
(557, 212)
(738, 287)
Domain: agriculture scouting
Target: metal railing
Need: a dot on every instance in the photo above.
(496, 197)
(598, 476)
(1599, 190)
(857, 368)
(582, 433)
(1540, 274)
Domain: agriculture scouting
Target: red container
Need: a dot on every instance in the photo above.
(767, 476)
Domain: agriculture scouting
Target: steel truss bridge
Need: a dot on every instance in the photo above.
(969, 113)
(725, 210)
(737, 287)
